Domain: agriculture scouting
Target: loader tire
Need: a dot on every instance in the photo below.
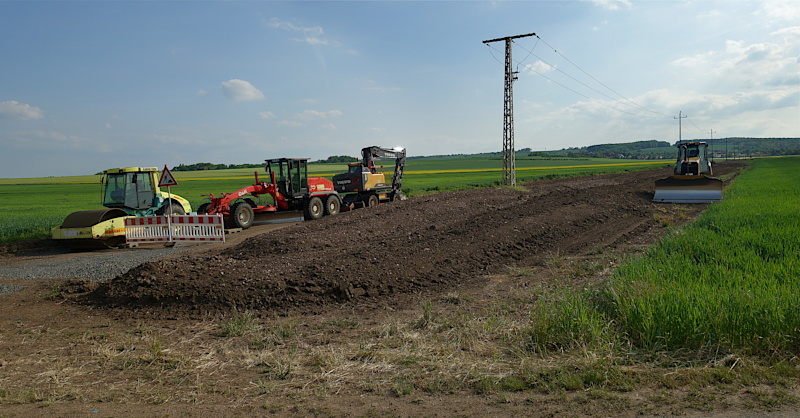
(313, 209)
(203, 209)
(372, 201)
(332, 205)
(241, 216)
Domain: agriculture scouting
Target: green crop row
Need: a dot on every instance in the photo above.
(727, 283)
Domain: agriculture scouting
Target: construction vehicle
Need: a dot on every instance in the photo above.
(290, 189)
(364, 184)
(692, 181)
(127, 192)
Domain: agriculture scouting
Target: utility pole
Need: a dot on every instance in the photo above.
(680, 130)
(711, 131)
(509, 169)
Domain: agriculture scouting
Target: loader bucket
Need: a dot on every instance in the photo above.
(688, 189)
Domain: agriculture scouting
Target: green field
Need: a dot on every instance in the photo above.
(32, 206)
(728, 283)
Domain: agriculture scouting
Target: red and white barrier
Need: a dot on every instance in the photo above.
(198, 228)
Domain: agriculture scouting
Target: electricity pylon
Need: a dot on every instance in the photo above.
(509, 165)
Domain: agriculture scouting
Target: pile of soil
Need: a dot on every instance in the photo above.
(375, 257)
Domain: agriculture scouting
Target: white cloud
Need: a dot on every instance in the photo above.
(313, 34)
(540, 67)
(603, 23)
(16, 110)
(201, 92)
(746, 66)
(612, 4)
(241, 91)
(781, 9)
(313, 40)
(791, 30)
(329, 127)
(314, 114)
(267, 115)
(280, 24)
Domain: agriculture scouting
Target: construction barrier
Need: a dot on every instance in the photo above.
(198, 228)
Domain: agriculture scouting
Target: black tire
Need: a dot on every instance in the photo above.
(372, 201)
(203, 209)
(241, 216)
(332, 205)
(177, 209)
(313, 209)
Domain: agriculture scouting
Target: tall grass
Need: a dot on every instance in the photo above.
(730, 281)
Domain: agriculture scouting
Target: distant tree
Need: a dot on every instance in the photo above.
(338, 159)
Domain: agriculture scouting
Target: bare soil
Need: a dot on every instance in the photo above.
(337, 316)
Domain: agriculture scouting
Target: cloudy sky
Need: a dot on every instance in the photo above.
(90, 85)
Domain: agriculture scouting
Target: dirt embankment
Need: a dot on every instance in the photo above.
(378, 256)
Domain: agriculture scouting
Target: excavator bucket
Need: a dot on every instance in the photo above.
(688, 189)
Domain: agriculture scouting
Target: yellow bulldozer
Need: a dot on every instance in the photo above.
(692, 181)
(127, 192)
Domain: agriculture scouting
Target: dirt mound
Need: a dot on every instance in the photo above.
(372, 257)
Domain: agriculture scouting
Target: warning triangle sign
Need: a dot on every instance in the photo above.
(166, 178)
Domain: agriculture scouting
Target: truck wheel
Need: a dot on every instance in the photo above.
(332, 205)
(203, 209)
(372, 201)
(177, 209)
(241, 216)
(313, 209)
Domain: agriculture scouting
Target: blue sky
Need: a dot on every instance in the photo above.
(90, 85)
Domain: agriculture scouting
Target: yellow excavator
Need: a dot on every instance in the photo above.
(127, 192)
(692, 181)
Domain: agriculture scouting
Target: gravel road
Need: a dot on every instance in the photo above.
(57, 262)
(92, 266)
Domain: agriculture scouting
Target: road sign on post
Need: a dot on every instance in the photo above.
(166, 178)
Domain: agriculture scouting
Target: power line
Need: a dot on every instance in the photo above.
(630, 102)
(598, 81)
(576, 92)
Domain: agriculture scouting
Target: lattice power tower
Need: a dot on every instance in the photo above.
(509, 165)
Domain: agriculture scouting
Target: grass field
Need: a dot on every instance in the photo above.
(728, 283)
(32, 206)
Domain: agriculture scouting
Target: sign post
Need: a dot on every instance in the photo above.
(168, 180)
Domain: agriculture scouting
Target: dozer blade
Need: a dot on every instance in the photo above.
(688, 189)
(278, 217)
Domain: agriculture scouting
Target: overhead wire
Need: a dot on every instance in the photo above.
(568, 88)
(598, 81)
